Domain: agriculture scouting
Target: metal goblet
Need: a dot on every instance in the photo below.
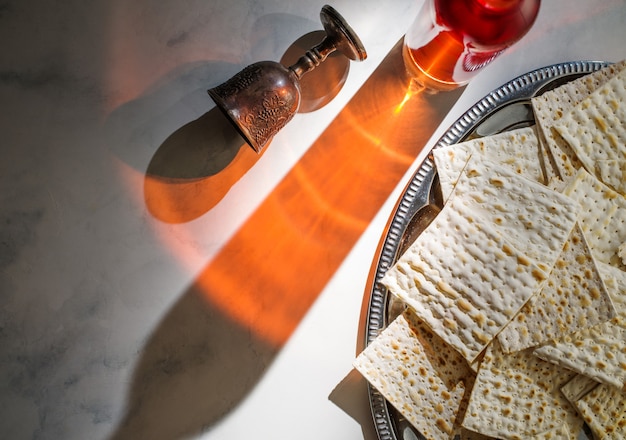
(263, 97)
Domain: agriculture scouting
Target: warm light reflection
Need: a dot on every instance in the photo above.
(406, 99)
(267, 276)
(414, 88)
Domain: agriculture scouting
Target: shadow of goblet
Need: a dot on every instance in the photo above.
(195, 167)
(199, 149)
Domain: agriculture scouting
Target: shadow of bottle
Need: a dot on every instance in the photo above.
(195, 368)
(199, 363)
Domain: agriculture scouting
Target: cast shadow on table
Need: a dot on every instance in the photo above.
(199, 149)
(195, 167)
(198, 364)
(351, 396)
(200, 159)
(173, 133)
(189, 159)
(193, 370)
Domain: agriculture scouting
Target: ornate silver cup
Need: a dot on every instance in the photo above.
(262, 98)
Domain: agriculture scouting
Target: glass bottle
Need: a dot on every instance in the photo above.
(451, 40)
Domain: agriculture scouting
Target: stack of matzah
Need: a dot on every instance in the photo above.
(515, 295)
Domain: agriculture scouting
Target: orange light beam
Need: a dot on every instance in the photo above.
(272, 270)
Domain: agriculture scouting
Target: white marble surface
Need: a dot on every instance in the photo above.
(100, 334)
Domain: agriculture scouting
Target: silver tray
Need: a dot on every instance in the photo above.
(503, 109)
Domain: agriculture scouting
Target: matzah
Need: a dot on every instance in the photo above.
(423, 378)
(602, 217)
(550, 106)
(613, 173)
(573, 298)
(578, 387)
(488, 253)
(517, 396)
(603, 408)
(600, 351)
(458, 276)
(595, 129)
(615, 281)
(534, 218)
(549, 164)
(485, 243)
(518, 150)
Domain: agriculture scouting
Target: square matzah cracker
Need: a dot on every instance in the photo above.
(600, 351)
(518, 396)
(534, 218)
(595, 129)
(603, 217)
(485, 243)
(518, 150)
(573, 298)
(458, 276)
(550, 106)
(420, 375)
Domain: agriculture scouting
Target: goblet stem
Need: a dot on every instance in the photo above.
(313, 57)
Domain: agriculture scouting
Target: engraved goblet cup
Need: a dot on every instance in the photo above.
(262, 98)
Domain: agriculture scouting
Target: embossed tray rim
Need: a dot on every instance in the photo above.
(416, 194)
